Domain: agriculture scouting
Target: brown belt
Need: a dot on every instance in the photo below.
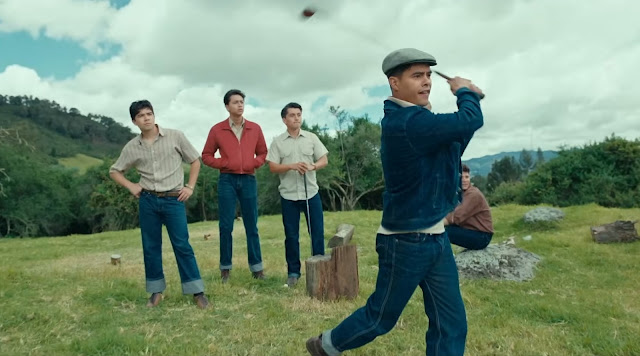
(171, 193)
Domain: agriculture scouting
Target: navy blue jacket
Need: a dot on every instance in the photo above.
(420, 154)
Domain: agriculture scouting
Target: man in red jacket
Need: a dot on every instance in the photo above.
(242, 150)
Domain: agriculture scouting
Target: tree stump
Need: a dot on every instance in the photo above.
(343, 235)
(115, 259)
(334, 276)
(619, 231)
(319, 277)
(345, 259)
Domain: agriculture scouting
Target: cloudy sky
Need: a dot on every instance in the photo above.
(556, 72)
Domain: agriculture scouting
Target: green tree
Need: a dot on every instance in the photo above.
(606, 173)
(526, 162)
(539, 157)
(505, 169)
(358, 152)
(112, 207)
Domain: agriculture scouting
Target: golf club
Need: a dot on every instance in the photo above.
(449, 78)
(308, 217)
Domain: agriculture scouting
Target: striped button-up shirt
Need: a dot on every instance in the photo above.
(159, 163)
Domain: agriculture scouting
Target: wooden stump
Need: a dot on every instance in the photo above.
(345, 259)
(343, 235)
(619, 231)
(319, 271)
(115, 259)
(331, 277)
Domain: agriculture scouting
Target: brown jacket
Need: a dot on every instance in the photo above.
(473, 213)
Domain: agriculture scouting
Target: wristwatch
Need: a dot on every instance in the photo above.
(188, 186)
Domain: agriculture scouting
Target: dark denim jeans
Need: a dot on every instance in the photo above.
(471, 239)
(407, 261)
(154, 212)
(291, 221)
(231, 188)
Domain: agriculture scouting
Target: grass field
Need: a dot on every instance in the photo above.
(80, 162)
(61, 296)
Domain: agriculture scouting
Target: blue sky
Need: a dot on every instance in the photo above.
(551, 77)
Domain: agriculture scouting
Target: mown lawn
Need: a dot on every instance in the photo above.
(61, 296)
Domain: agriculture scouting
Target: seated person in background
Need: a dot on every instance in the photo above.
(470, 225)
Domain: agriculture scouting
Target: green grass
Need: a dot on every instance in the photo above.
(61, 296)
(80, 162)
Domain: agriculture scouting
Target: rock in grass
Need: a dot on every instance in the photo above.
(543, 214)
(502, 261)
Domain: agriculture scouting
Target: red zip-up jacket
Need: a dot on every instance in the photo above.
(242, 157)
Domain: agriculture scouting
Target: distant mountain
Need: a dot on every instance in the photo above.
(482, 165)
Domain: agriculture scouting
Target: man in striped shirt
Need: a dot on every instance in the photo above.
(158, 154)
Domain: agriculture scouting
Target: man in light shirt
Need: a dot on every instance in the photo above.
(295, 156)
(157, 153)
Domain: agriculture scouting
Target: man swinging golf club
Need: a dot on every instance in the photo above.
(295, 156)
(420, 153)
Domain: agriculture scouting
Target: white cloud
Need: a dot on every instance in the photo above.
(554, 72)
(82, 21)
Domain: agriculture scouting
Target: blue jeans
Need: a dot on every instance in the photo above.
(407, 261)
(471, 239)
(154, 212)
(291, 221)
(231, 188)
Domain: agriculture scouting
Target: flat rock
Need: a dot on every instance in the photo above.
(545, 214)
(503, 261)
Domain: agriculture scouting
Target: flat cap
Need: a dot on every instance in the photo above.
(406, 56)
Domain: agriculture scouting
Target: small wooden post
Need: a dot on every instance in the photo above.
(319, 277)
(115, 259)
(343, 235)
(334, 276)
(345, 259)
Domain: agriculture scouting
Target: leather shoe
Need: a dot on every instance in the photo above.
(201, 301)
(292, 281)
(154, 300)
(225, 274)
(259, 275)
(314, 346)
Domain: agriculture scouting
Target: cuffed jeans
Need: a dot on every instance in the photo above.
(291, 221)
(407, 261)
(231, 188)
(470, 239)
(154, 212)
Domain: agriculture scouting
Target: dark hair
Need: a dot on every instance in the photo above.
(399, 70)
(286, 108)
(230, 93)
(465, 168)
(137, 106)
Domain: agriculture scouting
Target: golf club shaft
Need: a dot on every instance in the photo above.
(449, 78)
(306, 200)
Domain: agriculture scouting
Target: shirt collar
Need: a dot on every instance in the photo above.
(160, 133)
(232, 124)
(286, 134)
(404, 104)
